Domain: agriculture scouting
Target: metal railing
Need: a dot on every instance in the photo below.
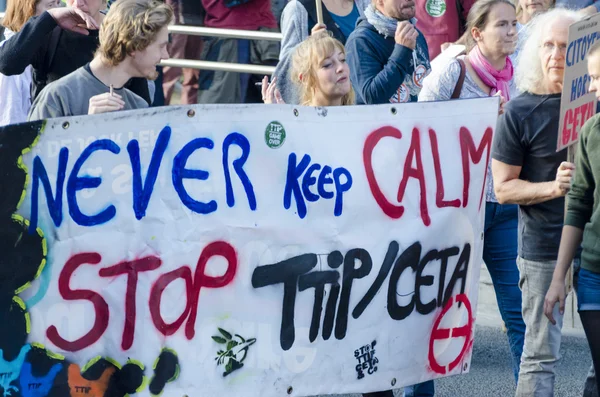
(226, 34)
(218, 66)
(221, 33)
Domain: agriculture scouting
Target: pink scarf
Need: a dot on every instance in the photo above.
(498, 80)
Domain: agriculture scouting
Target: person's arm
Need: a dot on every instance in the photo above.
(293, 34)
(508, 153)
(441, 82)
(557, 292)
(510, 189)
(292, 30)
(376, 84)
(24, 47)
(580, 206)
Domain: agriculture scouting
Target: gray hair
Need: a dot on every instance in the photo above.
(528, 71)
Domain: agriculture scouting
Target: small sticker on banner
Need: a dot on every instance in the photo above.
(274, 135)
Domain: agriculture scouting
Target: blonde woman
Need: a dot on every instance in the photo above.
(299, 20)
(320, 73)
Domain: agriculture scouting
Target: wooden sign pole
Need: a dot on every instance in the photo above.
(319, 12)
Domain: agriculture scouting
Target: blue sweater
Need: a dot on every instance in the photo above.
(382, 71)
(578, 4)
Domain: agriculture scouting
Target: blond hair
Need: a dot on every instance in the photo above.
(131, 25)
(18, 12)
(306, 61)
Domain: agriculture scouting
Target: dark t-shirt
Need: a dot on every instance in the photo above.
(526, 136)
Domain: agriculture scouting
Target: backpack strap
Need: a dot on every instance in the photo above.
(52, 46)
(40, 76)
(461, 80)
(311, 9)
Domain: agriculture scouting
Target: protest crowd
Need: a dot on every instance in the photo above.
(90, 57)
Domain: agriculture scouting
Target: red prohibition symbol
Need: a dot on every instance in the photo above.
(465, 331)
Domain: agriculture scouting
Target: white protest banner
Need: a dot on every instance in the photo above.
(243, 250)
(577, 105)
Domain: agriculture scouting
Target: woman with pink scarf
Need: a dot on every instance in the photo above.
(487, 70)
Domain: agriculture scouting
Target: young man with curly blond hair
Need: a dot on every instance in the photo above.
(133, 40)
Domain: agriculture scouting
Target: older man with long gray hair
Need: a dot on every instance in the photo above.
(528, 171)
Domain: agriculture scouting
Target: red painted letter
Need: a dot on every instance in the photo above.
(391, 210)
(156, 295)
(100, 306)
(193, 287)
(469, 151)
(439, 179)
(409, 172)
(218, 248)
(131, 269)
(567, 127)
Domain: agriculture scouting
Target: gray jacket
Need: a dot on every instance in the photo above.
(294, 27)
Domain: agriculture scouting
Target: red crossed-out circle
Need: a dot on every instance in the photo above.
(465, 331)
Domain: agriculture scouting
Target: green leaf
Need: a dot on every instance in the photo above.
(218, 339)
(229, 366)
(226, 334)
(231, 344)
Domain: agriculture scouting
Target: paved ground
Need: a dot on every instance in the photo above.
(491, 374)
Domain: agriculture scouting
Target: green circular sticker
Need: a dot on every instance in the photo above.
(435, 8)
(274, 135)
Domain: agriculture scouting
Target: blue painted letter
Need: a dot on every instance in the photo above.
(294, 172)
(242, 142)
(341, 188)
(142, 193)
(324, 179)
(54, 203)
(76, 183)
(180, 173)
(310, 180)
